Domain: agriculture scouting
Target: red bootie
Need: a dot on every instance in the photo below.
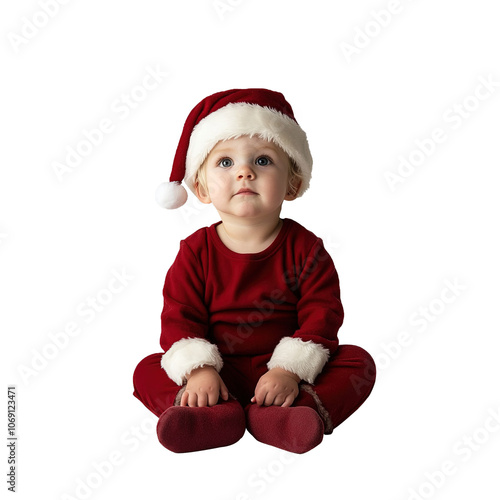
(295, 428)
(183, 429)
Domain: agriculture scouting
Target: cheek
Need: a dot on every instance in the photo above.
(216, 185)
(280, 185)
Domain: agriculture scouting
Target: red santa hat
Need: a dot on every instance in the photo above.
(228, 115)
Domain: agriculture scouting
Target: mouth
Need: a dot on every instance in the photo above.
(246, 191)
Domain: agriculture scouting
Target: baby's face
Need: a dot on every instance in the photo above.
(247, 177)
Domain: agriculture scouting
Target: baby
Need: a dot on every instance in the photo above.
(251, 303)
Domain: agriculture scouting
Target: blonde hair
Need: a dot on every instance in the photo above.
(295, 177)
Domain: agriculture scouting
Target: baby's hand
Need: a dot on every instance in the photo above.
(203, 388)
(277, 387)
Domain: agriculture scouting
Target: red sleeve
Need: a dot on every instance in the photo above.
(184, 312)
(320, 311)
(320, 315)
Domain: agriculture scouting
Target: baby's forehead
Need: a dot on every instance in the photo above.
(246, 142)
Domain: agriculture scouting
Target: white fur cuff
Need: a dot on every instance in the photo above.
(187, 354)
(305, 359)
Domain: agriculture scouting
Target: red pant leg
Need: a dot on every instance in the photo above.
(157, 391)
(152, 386)
(343, 385)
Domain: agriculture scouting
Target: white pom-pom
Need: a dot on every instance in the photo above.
(171, 195)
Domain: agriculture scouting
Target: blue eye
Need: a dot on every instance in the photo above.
(263, 161)
(225, 162)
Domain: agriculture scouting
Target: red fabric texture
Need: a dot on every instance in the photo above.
(182, 429)
(245, 303)
(342, 387)
(297, 429)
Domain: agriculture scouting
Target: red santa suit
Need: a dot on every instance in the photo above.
(246, 313)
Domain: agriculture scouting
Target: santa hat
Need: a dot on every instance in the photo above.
(228, 115)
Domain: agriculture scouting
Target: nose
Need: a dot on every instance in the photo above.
(245, 172)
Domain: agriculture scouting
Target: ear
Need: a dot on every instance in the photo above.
(291, 195)
(202, 194)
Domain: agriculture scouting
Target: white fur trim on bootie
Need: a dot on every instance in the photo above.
(171, 195)
(305, 359)
(187, 354)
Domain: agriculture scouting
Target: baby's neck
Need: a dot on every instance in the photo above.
(249, 237)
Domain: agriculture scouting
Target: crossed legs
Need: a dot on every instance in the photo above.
(339, 390)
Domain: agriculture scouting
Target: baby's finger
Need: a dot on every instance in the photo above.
(260, 396)
(192, 400)
(288, 401)
(184, 398)
(223, 391)
(279, 400)
(202, 399)
(212, 397)
(269, 399)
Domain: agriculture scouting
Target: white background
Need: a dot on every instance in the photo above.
(396, 250)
